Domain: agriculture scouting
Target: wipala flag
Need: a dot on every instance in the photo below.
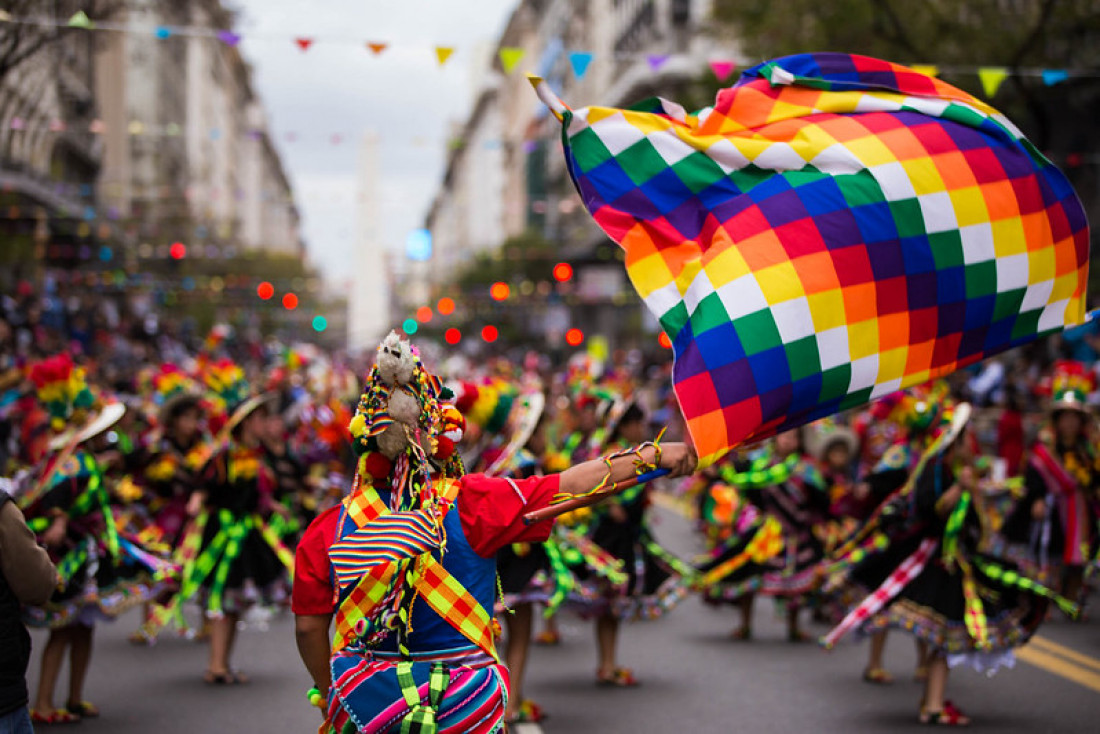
(834, 229)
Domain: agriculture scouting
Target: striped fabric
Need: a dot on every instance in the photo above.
(473, 702)
(909, 569)
(834, 229)
(392, 537)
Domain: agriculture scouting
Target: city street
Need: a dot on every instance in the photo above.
(693, 679)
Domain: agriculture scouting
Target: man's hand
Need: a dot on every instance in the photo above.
(679, 458)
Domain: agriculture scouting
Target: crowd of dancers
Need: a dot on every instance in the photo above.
(182, 488)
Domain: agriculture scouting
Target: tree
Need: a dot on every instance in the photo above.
(20, 41)
(1016, 35)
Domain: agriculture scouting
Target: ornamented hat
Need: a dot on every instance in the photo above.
(822, 434)
(405, 426)
(174, 391)
(229, 394)
(487, 405)
(75, 413)
(1070, 385)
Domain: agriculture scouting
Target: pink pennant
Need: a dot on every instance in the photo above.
(722, 69)
(304, 43)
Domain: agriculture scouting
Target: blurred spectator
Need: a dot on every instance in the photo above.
(26, 577)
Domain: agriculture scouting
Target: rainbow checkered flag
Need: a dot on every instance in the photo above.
(834, 229)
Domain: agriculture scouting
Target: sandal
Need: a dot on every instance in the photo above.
(57, 716)
(83, 709)
(238, 678)
(741, 634)
(950, 715)
(529, 713)
(878, 676)
(211, 678)
(548, 638)
(619, 678)
(798, 636)
(142, 639)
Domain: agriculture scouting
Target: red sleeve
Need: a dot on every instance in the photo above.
(492, 510)
(312, 591)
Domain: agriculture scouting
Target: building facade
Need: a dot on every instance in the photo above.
(518, 183)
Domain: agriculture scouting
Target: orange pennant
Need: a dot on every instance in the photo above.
(377, 48)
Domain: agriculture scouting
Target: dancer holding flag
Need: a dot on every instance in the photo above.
(406, 565)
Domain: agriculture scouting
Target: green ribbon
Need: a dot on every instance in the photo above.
(421, 718)
(1015, 580)
(238, 530)
(954, 526)
(561, 575)
(762, 473)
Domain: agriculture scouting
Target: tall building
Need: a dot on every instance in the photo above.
(142, 100)
(188, 155)
(49, 156)
(509, 176)
(369, 303)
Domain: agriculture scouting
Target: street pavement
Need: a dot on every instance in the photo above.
(694, 679)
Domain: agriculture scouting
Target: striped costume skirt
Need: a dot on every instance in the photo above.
(366, 691)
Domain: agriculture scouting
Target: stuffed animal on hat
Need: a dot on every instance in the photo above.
(404, 421)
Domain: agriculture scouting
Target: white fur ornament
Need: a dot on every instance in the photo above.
(395, 361)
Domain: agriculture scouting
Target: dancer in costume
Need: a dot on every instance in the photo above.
(619, 526)
(406, 565)
(101, 572)
(933, 581)
(240, 561)
(911, 420)
(178, 452)
(523, 568)
(778, 553)
(1053, 528)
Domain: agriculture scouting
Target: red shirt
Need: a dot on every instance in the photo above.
(491, 510)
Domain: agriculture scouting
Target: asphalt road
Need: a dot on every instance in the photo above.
(694, 679)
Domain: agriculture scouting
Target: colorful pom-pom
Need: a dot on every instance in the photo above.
(377, 465)
(445, 448)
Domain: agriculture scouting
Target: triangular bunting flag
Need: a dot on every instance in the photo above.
(510, 56)
(304, 43)
(722, 69)
(656, 61)
(926, 69)
(992, 77)
(80, 19)
(229, 38)
(377, 48)
(162, 32)
(1054, 76)
(442, 53)
(580, 61)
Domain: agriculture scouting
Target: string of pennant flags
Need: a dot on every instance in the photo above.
(991, 77)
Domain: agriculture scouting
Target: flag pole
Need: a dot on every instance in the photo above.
(585, 500)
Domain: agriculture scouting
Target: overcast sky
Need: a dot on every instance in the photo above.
(338, 87)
